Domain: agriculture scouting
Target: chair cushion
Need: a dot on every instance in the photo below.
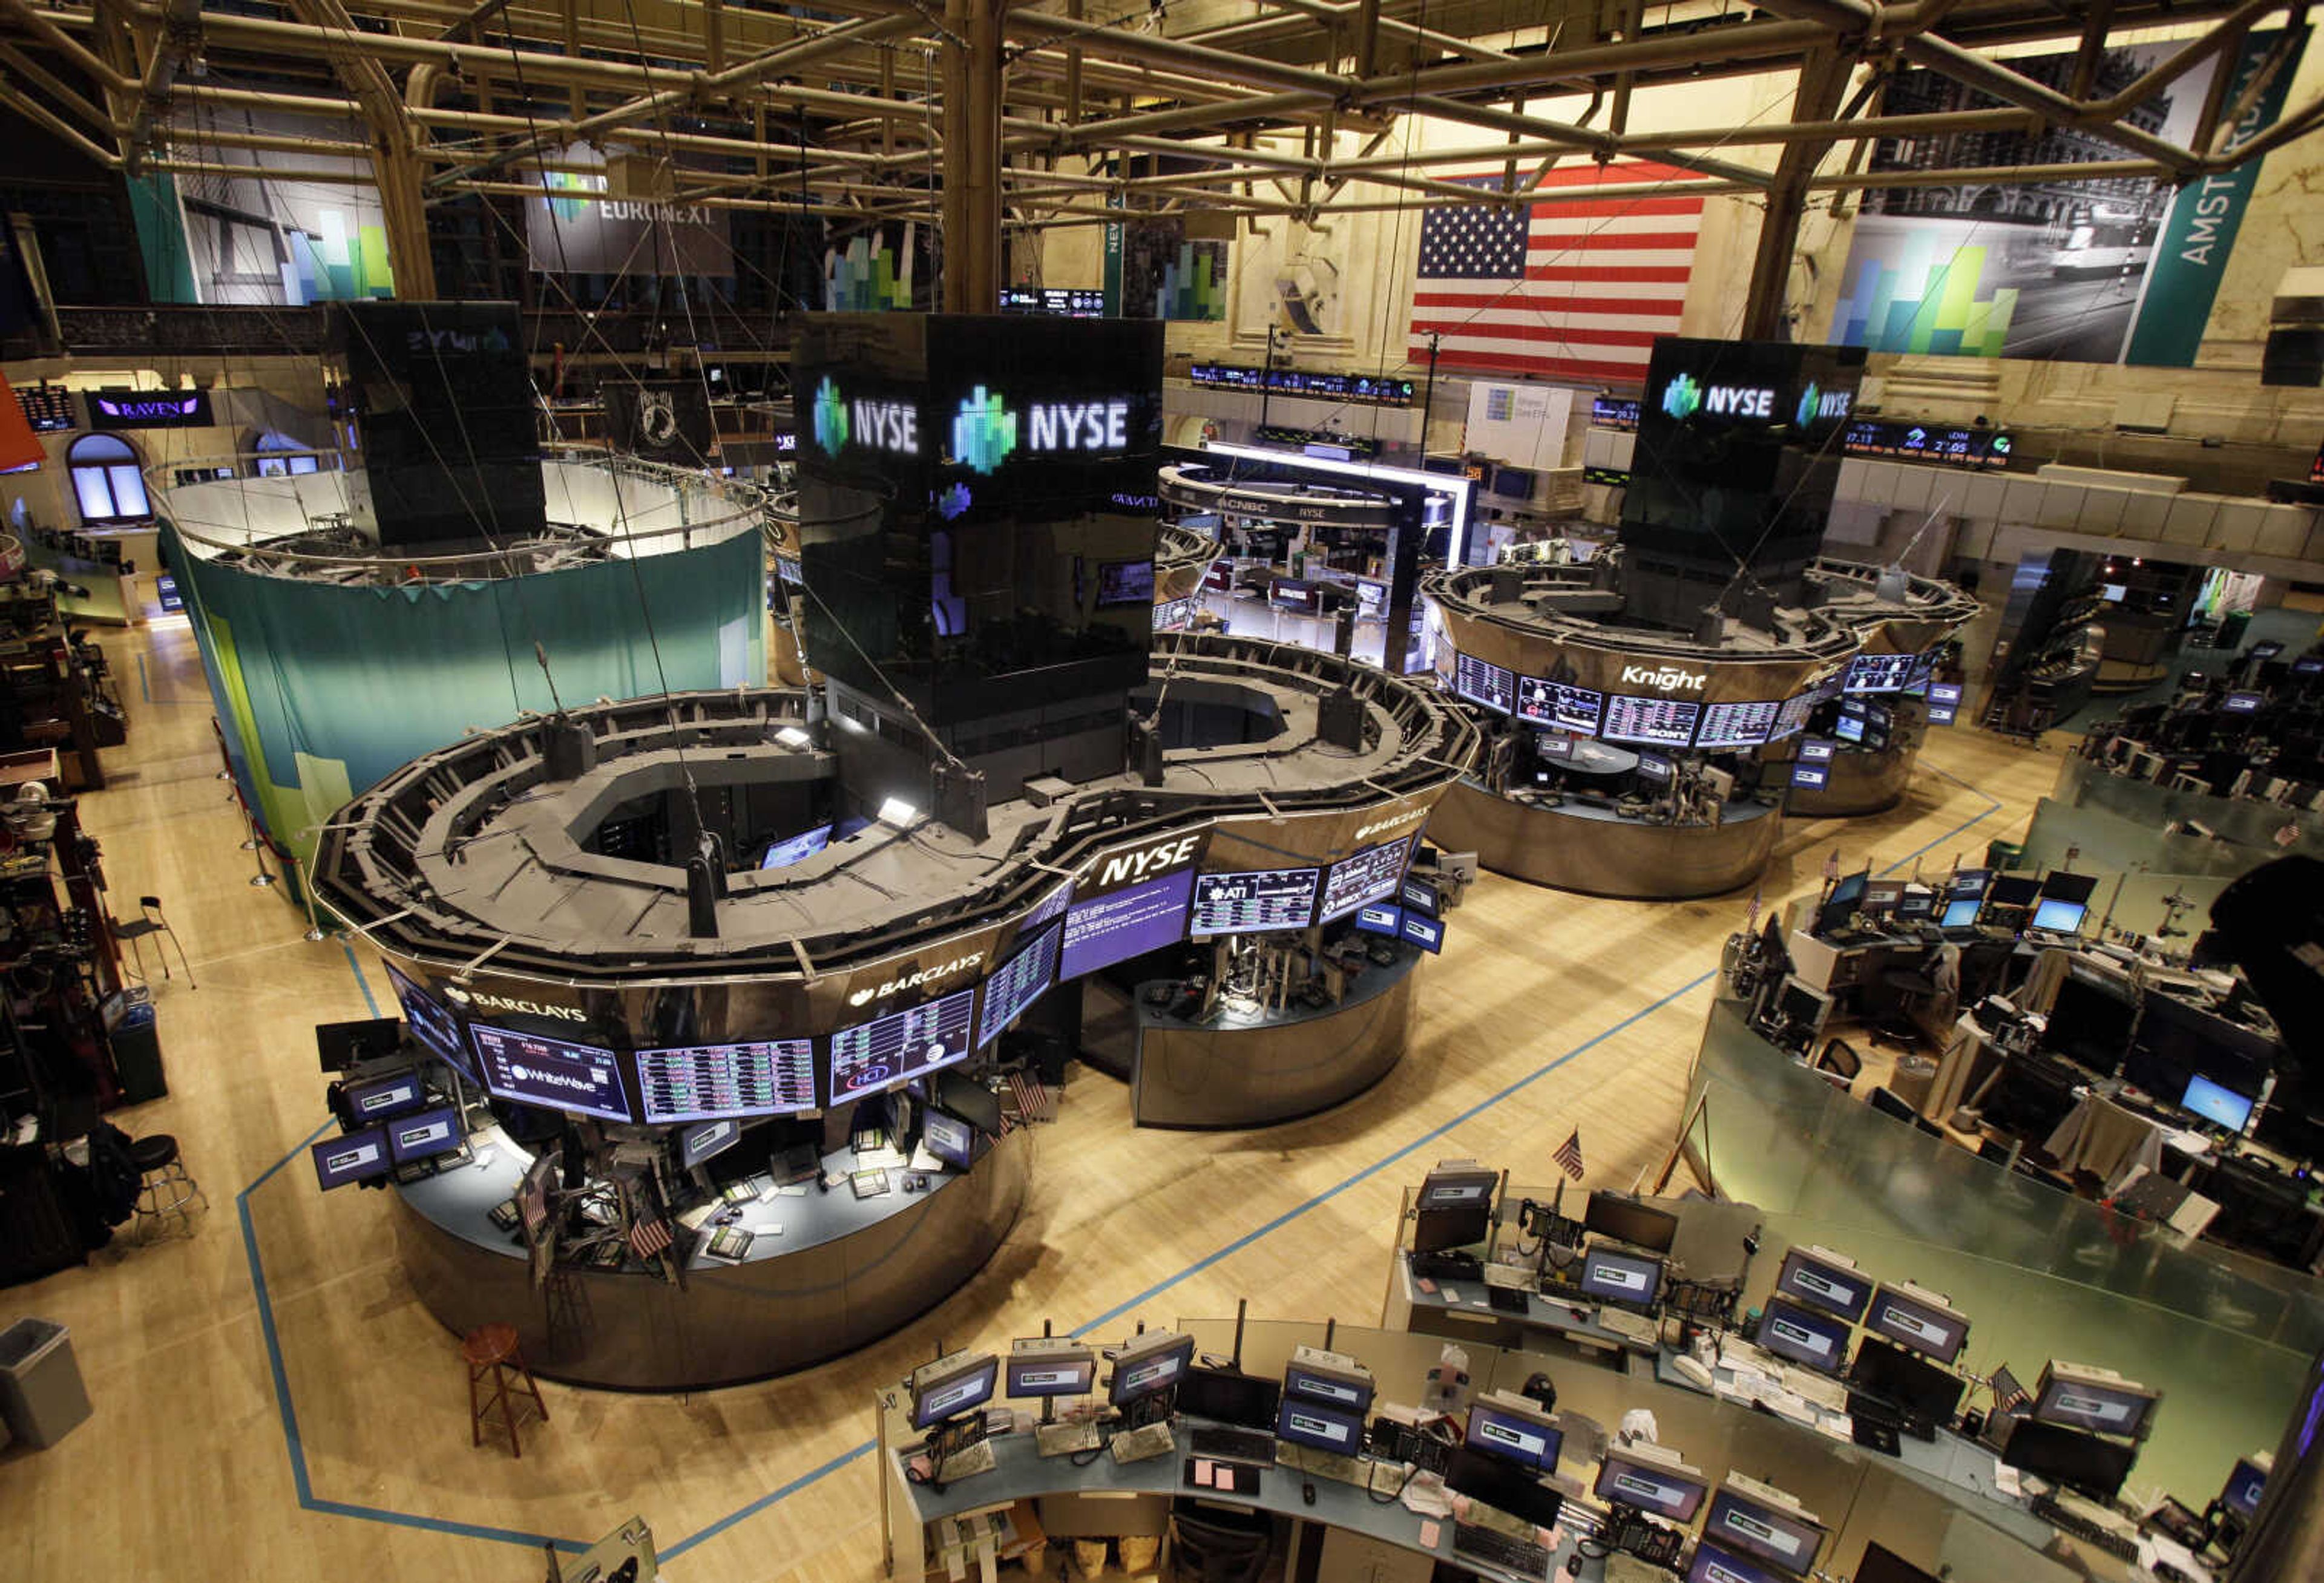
(153, 1151)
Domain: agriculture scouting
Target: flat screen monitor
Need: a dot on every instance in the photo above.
(432, 1024)
(1667, 722)
(2059, 917)
(354, 1158)
(1319, 1427)
(2265, 650)
(1561, 705)
(1626, 1220)
(1421, 930)
(1907, 1380)
(1437, 1228)
(1816, 750)
(1458, 1184)
(1945, 693)
(2057, 884)
(1654, 767)
(1848, 728)
(1824, 1282)
(1229, 1395)
(1799, 1335)
(1051, 1368)
(1843, 901)
(1737, 725)
(340, 1046)
(425, 1135)
(1969, 883)
(1366, 875)
(1380, 917)
(2243, 1488)
(2309, 664)
(1526, 1438)
(2216, 1103)
(2176, 1040)
(1126, 923)
(1253, 903)
(1881, 896)
(2243, 703)
(1882, 1565)
(1766, 1530)
(967, 1098)
(792, 849)
(1420, 894)
(1925, 1325)
(1629, 1279)
(904, 1044)
(1714, 1565)
(1960, 913)
(1554, 747)
(706, 1083)
(1504, 1486)
(2018, 890)
(1125, 582)
(1943, 714)
(533, 1069)
(2087, 1399)
(2071, 1457)
(1148, 1365)
(384, 1097)
(953, 1386)
(1809, 776)
(1019, 982)
(1313, 1380)
(698, 1144)
(948, 1138)
(1674, 1491)
(1879, 673)
(1491, 685)
(1915, 903)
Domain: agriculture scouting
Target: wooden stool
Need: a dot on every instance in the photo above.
(493, 1349)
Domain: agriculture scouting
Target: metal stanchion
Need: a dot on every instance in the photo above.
(257, 849)
(306, 888)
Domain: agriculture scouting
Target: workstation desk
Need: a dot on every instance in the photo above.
(1574, 846)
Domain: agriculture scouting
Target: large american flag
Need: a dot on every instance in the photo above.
(1574, 289)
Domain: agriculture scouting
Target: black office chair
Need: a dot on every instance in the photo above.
(1206, 1550)
(151, 921)
(1839, 1063)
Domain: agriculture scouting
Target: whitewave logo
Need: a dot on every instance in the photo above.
(1390, 822)
(913, 981)
(501, 1003)
(555, 1079)
(1668, 678)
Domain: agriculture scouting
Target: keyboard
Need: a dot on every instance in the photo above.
(1138, 1444)
(1507, 1300)
(1065, 1440)
(1328, 1465)
(1874, 1436)
(2091, 1524)
(1475, 1544)
(1447, 1266)
(1821, 1390)
(967, 1464)
(1630, 1327)
(1514, 1277)
(1232, 1445)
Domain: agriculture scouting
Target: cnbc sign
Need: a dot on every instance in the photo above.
(986, 431)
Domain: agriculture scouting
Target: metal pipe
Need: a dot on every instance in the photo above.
(56, 89)
(41, 115)
(70, 48)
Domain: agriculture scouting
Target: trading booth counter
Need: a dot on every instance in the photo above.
(1233, 1070)
(1575, 846)
(842, 1272)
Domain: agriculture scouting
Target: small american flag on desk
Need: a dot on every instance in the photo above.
(1574, 289)
(1569, 1155)
(648, 1238)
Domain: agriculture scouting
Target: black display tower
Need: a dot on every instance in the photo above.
(976, 545)
(1739, 448)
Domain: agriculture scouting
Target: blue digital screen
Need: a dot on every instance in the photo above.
(1367, 875)
(1380, 918)
(1514, 1438)
(533, 1069)
(2243, 703)
(359, 1155)
(702, 1083)
(1254, 902)
(1128, 923)
(1961, 913)
(1798, 1336)
(901, 1045)
(1560, 703)
(1421, 930)
(948, 1138)
(782, 854)
(434, 1025)
(1021, 980)
(1816, 750)
(1319, 1427)
(2059, 917)
(1714, 1565)
(2216, 1103)
(388, 1095)
(1482, 682)
(430, 1132)
(1811, 776)
(2245, 1486)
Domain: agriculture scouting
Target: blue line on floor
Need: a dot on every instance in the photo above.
(362, 983)
(812, 1476)
(144, 689)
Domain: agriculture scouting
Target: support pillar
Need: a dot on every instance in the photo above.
(972, 156)
(1823, 78)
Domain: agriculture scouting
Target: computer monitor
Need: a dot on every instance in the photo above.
(355, 1156)
(2090, 1022)
(1150, 1364)
(1041, 1366)
(2071, 1457)
(1319, 1427)
(1816, 750)
(705, 1141)
(1848, 728)
(1417, 928)
(425, 1134)
(953, 1384)
(967, 1098)
(1799, 1335)
(1316, 1375)
(1969, 883)
(1916, 903)
(1906, 1380)
(1715, 1564)
(1960, 913)
(2015, 889)
(2267, 649)
(2243, 703)
(2059, 917)
(431, 1022)
(1457, 1183)
(2097, 1399)
(1841, 902)
(340, 1046)
(1824, 1280)
(1802, 1006)
(1755, 1519)
(1808, 776)
(1380, 917)
(1919, 1320)
(1882, 1565)
(1610, 1275)
(1504, 1486)
(2065, 886)
(2245, 1484)
(1626, 1220)
(1654, 766)
(948, 1138)
(384, 1097)
(1441, 1228)
(1514, 1429)
(2216, 1103)
(1229, 1395)
(1669, 1489)
(1881, 896)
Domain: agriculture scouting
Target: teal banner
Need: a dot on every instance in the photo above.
(2192, 255)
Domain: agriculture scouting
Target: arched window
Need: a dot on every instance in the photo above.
(108, 480)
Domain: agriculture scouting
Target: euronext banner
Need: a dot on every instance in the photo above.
(2205, 215)
(570, 229)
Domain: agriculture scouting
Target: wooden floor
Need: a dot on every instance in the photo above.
(1546, 1012)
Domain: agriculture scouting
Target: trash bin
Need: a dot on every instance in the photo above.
(40, 1393)
(2004, 855)
(137, 1056)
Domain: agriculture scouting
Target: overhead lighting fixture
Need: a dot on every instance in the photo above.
(897, 812)
(792, 736)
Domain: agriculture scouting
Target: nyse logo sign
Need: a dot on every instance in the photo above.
(880, 426)
(1147, 863)
(1821, 406)
(987, 430)
(1668, 678)
(1684, 396)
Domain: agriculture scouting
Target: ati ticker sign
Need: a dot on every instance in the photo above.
(985, 432)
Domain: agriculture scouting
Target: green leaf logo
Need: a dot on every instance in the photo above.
(1681, 395)
(830, 419)
(984, 432)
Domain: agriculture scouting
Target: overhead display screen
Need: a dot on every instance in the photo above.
(535, 1070)
(1667, 722)
(1560, 703)
(1493, 686)
(431, 1024)
(900, 1046)
(1053, 905)
(1737, 725)
(1021, 980)
(704, 1082)
(1365, 876)
(1879, 673)
(1128, 923)
(1251, 903)
(1792, 719)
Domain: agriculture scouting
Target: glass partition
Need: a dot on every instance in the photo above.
(2040, 1272)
